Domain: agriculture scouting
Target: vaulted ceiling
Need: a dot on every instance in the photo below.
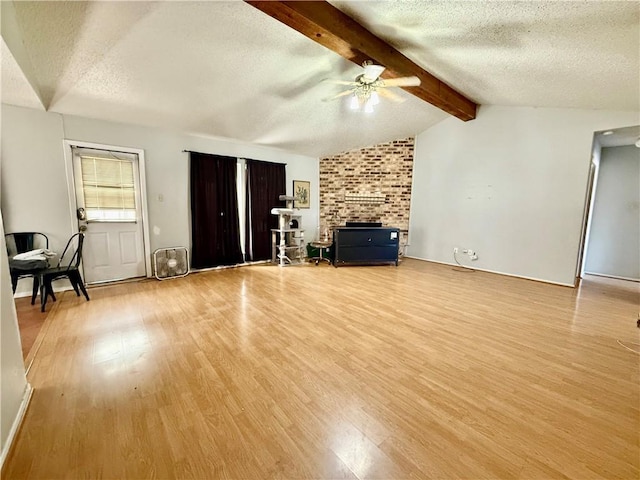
(226, 69)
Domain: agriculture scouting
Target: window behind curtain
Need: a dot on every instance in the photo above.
(215, 234)
(265, 183)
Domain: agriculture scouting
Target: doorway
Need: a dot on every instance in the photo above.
(611, 233)
(108, 203)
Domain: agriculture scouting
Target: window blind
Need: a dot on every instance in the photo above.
(108, 187)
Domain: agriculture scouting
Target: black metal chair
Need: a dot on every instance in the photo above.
(21, 242)
(70, 271)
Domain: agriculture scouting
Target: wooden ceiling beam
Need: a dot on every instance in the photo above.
(325, 24)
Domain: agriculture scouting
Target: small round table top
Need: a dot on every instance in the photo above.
(321, 243)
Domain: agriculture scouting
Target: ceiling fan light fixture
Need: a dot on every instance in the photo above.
(638, 143)
(366, 89)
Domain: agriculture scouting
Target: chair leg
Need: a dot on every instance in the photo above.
(81, 285)
(43, 294)
(36, 286)
(74, 284)
(75, 278)
(14, 282)
(48, 289)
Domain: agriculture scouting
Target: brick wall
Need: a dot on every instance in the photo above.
(382, 173)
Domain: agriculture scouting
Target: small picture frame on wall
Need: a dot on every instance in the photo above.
(302, 193)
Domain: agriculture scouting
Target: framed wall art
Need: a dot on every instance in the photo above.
(302, 193)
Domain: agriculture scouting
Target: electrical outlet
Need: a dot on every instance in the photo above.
(455, 249)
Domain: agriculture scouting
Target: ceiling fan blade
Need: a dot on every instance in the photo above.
(339, 82)
(401, 82)
(371, 72)
(341, 94)
(390, 95)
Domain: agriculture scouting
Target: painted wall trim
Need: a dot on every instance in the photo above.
(68, 162)
(628, 279)
(17, 422)
(22, 294)
(534, 279)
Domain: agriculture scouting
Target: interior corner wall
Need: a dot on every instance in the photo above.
(13, 381)
(384, 169)
(510, 185)
(34, 182)
(614, 237)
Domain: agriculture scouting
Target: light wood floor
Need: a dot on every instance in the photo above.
(261, 372)
(30, 323)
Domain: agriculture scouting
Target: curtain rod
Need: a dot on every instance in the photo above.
(203, 153)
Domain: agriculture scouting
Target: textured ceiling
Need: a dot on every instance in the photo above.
(225, 69)
(573, 54)
(15, 87)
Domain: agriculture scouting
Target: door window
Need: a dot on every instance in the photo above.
(108, 187)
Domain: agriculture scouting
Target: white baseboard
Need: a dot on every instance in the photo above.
(613, 276)
(20, 292)
(496, 272)
(15, 427)
(225, 267)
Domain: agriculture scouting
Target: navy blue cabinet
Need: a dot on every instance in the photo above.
(365, 246)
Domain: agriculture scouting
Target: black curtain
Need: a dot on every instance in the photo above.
(265, 183)
(215, 233)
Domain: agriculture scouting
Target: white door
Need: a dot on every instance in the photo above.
(109, 212)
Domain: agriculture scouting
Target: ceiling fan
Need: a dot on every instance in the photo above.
(368, 87)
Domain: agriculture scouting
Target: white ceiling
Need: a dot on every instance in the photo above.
(226, 69)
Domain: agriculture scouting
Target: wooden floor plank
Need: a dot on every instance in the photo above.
(416, 371)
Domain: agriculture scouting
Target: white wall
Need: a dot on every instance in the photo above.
(614, 239)
(34, 182)
(14, 389)
(511, 185)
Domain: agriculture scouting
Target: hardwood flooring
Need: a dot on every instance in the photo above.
(30, 322)
(258, 372)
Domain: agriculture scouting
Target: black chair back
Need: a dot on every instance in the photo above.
(21, 242)
(76, 258)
